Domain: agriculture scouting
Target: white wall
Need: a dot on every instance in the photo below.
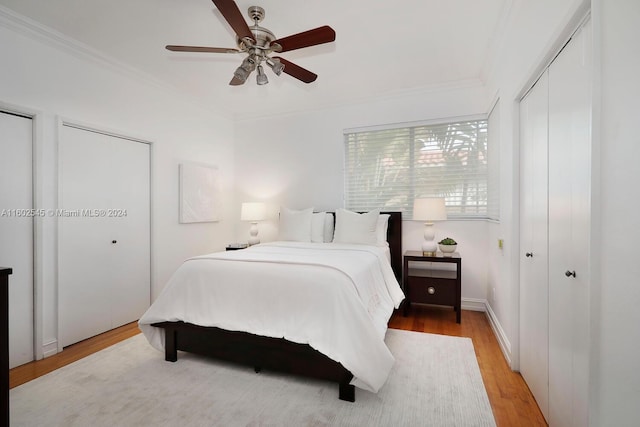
(615, 294)
(56, 80)
(297, 161)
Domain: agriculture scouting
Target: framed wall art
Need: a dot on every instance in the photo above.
(199, 193)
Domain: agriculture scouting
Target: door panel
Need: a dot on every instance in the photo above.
(533, 239)
(104, 274)
(569, 198)
(16, 231)
(131, 231)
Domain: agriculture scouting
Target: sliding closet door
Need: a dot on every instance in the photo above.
(569, 218)
(16, 231)
(534, 292)
(104, 257)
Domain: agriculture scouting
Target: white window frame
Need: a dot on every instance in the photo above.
(493, 153)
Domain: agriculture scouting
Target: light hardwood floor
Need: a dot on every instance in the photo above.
(70, 354)
(511, 400)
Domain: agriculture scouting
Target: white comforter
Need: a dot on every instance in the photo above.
(337, 298)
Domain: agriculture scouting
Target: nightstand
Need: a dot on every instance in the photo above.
(432, 280)
(236, 246)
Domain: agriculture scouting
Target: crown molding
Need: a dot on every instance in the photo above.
(423, 91)
(41, 33)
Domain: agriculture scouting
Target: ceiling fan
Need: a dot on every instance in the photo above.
(259, 43)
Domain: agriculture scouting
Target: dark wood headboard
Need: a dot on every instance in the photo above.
(394, 237)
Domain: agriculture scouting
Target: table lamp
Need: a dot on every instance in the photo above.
(254, 212)
(429, 209)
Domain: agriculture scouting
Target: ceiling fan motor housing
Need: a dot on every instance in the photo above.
(262, 36)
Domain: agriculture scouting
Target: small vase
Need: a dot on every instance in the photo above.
(448, 250)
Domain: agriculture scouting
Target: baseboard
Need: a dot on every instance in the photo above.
(474, 304)
(501, 336)
(50, 348)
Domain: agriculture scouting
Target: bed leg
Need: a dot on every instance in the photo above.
(347, 392)
(170, 348)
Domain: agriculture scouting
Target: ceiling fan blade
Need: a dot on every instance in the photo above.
(175, 48)
(308, 38)
(297, 71)
(229, 9)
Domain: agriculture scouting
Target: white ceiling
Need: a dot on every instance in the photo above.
(382, 48)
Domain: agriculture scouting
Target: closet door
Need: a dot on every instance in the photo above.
(104, 236)
(16, 231)
(534, 292)
(569, 218)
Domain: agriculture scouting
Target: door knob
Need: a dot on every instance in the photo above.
(570, 273)
(529, 254)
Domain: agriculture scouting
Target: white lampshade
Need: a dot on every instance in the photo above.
(429, 209)
(253, 211)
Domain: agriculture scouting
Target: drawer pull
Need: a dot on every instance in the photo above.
(431, 290)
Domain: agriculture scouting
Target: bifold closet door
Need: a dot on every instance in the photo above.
(104, 234)
(569, 228)
(534, 291)
(16, 231)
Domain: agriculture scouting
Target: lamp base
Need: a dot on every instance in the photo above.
(253, 233)
(429, 246)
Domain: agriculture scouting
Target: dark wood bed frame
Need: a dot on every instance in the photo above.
(276, 354)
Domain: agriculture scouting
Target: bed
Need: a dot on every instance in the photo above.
(314, 310)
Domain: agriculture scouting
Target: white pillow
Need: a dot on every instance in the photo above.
(295, 225)
(328, 228)
(381, 230)
(317, 227)
(357, 228)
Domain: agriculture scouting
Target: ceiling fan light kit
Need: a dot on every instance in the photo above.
(261, 77)
(276, 65)
(259, 43)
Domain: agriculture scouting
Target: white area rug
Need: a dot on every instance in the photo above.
(435, 382)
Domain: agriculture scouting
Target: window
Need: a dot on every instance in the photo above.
(389, 168)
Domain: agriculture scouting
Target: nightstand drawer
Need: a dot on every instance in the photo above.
(429, 290)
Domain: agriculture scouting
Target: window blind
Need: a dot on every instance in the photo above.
(389, 168)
